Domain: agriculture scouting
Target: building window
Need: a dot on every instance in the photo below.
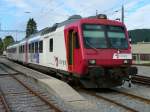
(41, 46)
(145, 57)
(51, 45)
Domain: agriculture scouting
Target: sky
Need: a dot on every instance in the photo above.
(14, 14)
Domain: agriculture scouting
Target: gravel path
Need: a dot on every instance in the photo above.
(128, 101)
(103, 105)
(137, 89)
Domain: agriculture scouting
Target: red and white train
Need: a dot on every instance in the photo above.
(94, 50)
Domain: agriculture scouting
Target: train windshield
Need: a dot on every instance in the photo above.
(102, 36)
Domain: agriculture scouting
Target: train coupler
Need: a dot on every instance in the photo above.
(130, 82)
(132, 70)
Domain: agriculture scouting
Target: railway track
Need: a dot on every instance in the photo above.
(145, 100)
(15, 73)
(4, 107)
(141, 79)
(16, 95)
(109, 100)
(112, 98)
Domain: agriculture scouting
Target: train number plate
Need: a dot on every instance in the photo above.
(122, 56)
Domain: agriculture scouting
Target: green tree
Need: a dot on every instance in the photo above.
(146, 39)
(7, 41)
(31, 27)
(140, 35)
(1, 46)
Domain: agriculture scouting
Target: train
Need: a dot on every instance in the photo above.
(93, 50)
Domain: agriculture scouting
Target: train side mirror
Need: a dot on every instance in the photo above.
(130, 39)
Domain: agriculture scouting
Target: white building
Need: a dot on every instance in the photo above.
(141, 52)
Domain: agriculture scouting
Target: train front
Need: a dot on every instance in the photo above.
(107, 53)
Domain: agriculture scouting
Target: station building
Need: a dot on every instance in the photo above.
(141, 53)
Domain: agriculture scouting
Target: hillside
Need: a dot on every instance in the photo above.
(140, 35)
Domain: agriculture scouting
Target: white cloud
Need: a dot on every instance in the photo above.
(131, 4)
(48, 12)
(139, 19)
(57, 11)
(18, 3)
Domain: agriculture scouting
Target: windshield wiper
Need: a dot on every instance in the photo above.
(88, 43)
(118, 47)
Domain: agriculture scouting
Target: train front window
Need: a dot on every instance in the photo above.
(117, 40)
(116, 37)
(94, 36)
(104, 36)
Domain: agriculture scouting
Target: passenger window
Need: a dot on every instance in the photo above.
(29, 48)
(32, 48)
(41, 46)
(19, 49)
(22, 48)
(36, 47)
(51, 45)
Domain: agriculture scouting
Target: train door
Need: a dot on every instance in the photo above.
(74, 52)
(26, 52)
(70, 51)
(36, 52)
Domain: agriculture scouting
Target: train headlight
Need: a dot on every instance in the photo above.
(126, 61)
(101, 16)
(92, 62)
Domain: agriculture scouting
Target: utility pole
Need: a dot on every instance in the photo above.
(122, 14)
(96, 13)
(0, 26)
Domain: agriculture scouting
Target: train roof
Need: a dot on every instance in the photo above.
(13, 44)
(53, 28)
(76, 18)
(71, 19)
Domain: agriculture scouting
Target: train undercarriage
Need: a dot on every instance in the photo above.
(98, 77)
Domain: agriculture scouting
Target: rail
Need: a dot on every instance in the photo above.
(42, 98)
(141, 79)
(132, 96)
(129, 109)
(4, 102)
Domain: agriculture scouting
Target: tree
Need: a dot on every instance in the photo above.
(31, 27)
(146, 39)
(7, 41)
(140, 35)
(1, 46)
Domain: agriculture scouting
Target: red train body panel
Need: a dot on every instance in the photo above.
(102, 56)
